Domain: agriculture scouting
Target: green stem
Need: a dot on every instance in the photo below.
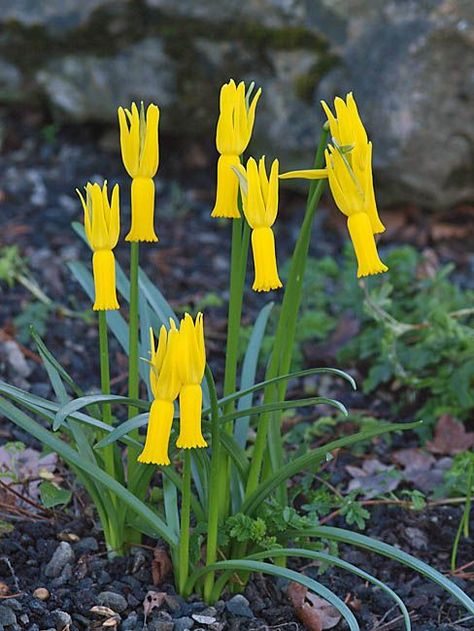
(133, 353)
(238, 268)
(463, 527)
(238, 254)
(183, 568)
(108, 451)
(284, 338)
(214, 486)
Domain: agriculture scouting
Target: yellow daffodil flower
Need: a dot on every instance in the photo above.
(102, 227)
(348, 133)
(165, 385)
(260, 205)
(349, 171)
(140, 155)
(234, 129)
(192, 362)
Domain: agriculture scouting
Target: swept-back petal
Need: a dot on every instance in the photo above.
(305, 174)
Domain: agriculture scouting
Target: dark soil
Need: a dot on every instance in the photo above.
(77, 582)
(38, 175)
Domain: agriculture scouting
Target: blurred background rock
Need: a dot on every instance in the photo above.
(409, 63)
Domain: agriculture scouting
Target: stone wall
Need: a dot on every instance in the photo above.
(409, 63)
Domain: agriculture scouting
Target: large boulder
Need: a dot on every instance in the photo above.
(410, 65)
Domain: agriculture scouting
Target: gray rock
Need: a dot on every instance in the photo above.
(410, 65)
(115, 601)
(182, 624)
(87, 87)
(239, 606)
(10, 79)
(7, 616)
(62, 619)
(130, 622)
(14, 604)
(87, 544)
(412, 71)
(271, 14)
(63, 555)
(56, 15)
(160, 625)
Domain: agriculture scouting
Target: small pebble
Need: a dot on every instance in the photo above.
(130, 622)
(183, 624)
(239, 606)
(62, 618)
(70, 537)
(13, 604)
(160, 625)
(115, 601)
(41, 593)
(63, 555)
(7, 616)
(88, 544)
(203, 619)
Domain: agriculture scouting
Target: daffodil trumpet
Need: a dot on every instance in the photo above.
(192, 363)
(140, 155)
(102, 228)
(158, 433)
(165, 385)
(234, 129)
(260, 206)
(190, 407)
(103, 269)
(365, 249)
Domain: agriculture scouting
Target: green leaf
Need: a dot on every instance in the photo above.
(115, 320)
(283, 405)
(49, 359)
(368, 543)
(281, 378)
(92, 471)
(75, 405)
(249, 369)
(122, 430)
(52, 495)
(310, 459)
(337, 562)
(291, 575)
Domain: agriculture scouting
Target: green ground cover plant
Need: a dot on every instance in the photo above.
(413, 333)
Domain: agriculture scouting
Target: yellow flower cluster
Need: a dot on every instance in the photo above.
(349, 171)
(176, 368)
(178, 362)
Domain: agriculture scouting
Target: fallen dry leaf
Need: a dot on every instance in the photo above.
(314, 612)
(160, 566)
(422, 469)
(373, 478)
(153, 600)
(450, 437)
(414, 459)
(102, 611)
(21, 468)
